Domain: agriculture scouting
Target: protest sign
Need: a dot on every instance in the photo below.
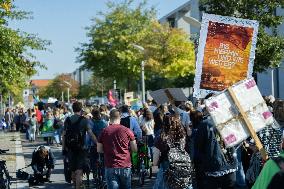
(162, 96)
(128, 97)
(225, 53)
(239, 112)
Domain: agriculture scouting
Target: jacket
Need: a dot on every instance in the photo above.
(208, 152)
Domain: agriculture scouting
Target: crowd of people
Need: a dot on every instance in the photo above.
(181, 138)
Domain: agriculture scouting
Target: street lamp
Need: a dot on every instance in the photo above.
(68, 90)
(142, 50)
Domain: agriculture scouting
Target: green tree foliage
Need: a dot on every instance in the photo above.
(17, 63)
(98, 86)
(110, 53)
(59, 85)
(270, 47)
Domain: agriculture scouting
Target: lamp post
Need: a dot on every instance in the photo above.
(68, 91)
(142, 50)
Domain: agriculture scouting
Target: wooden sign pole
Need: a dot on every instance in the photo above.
(249, 125)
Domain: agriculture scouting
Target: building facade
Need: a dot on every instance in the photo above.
(271, 82)
(82, 76)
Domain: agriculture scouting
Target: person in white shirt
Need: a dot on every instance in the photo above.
(147, 125)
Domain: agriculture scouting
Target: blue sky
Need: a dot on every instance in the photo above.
(63, 22)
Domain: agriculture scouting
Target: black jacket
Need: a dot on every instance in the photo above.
(208, 152)
(38, 163)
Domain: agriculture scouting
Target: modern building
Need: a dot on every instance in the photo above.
(175, 19)
(269, 82)
(82, 76)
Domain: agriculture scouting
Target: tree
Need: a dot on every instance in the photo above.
(96, 87)
(170, 57)
(17, 63)
(270, 46)
(59, 85)
(110, 52)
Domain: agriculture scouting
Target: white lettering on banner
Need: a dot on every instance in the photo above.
(225, 57)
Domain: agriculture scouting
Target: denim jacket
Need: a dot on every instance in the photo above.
(208, 152)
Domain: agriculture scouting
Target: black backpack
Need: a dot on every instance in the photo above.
(74, 137)
(278, 179)
(125, 122)
(180, 173)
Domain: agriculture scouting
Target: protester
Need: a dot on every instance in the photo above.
(58, 126)
(158, 119)
(130, 122)
(42, 163)
(147, 126)
(48, 129)
(74, 134)
(169, 153)
(98, 124)
(219, 164)
(104, 113)
(9, 117)
(270, 169)
(39, 118)
(114, 142)
(32, 125)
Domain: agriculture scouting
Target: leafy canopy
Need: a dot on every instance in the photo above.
(59, 85)
(110, 52)
(17, 63)
(270, 46)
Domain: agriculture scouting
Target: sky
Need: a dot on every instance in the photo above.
(63, 22)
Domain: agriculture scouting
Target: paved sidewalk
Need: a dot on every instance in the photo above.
(14, 158)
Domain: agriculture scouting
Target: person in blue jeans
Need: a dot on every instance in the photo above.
(115, 142)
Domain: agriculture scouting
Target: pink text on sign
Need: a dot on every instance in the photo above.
(266, 115)
(230, 139)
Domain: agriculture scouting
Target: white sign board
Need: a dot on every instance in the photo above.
(227, 118)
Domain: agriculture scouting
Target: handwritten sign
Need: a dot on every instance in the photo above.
(227, 116)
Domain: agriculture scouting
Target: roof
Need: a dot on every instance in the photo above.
(183, 8)
(40, 82)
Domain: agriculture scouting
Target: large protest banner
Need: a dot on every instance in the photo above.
(225, 53)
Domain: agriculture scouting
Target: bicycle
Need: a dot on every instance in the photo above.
(144, 161)
(5, 178)
(97, 168)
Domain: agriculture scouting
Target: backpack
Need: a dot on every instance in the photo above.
(125, 121)
(179, 175)
(278, 179)
(74, 137)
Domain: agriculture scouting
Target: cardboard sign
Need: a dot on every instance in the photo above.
(128, 97)
(162, 96)
(228, 109)
(226, 53)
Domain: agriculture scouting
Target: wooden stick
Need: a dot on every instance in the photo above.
(249, 125)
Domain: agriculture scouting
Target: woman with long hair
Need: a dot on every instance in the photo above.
(147, 125)
(168, 147)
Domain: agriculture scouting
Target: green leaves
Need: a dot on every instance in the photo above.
(110, 52)
(270, 46)
(58, 85)
(17, 63)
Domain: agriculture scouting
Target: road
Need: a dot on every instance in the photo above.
(57, 177)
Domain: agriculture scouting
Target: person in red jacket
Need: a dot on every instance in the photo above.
(39, 119)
